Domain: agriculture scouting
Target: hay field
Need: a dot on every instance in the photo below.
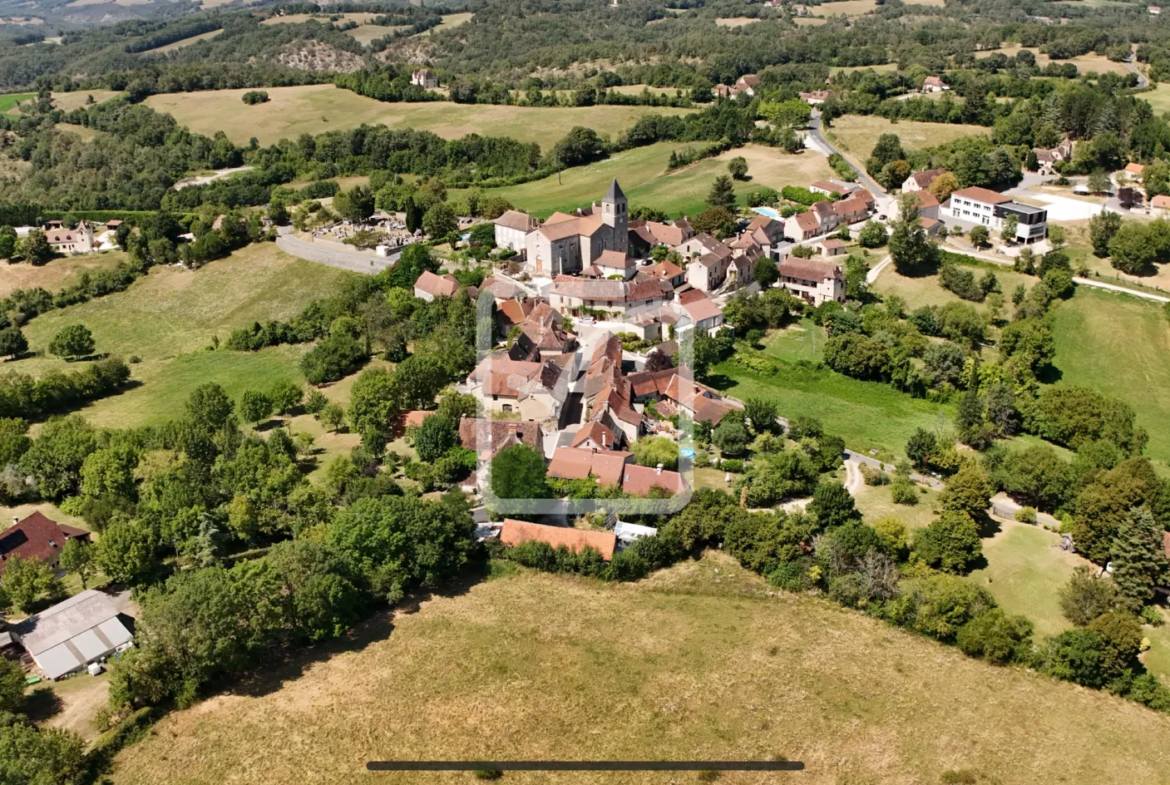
(1089, 62)
(702, 661)
(314, 109)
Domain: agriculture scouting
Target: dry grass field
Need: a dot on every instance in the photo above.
(185, 42)
(55, 275)
(857, 134)
(735, 21)
(701, 662)
(1089, 62)
(847, 7)
(67, 102)
(314, 109)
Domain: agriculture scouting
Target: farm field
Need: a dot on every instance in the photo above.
(323, 18)
(856, 135)
(880, 67)
(1081, 253)
(314, 109)
(168, 320)
(528, 665)
(1159, 98)
(452, 20)
(1119, 344)
(184, 42)
(9, 101)
(809, 21)
(847, 7)
(1025, 571)
(926, 290)
(67, 102)
(1089, 62)
(646, 181)
(735, 21)
(56, 274)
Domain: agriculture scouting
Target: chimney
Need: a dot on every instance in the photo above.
(15, 520)
(658, 469)
(52, 544)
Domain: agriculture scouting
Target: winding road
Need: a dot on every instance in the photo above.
(819, 140)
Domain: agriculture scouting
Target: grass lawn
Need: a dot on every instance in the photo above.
(646, 181)
(856, 135)
(1119, 345)
(1157, 659)
(1025, 570)
(868, 415)
(168, 319)
(166, 384)
(10, 100)
(1080, 252)
(57, 273)
(926, 290)
(67, 102)
(1159, 98)
(172, 311)
(184, 42)
(701, 661)
(452, 20)
(314, 109)
(874, 503)
(847, 7)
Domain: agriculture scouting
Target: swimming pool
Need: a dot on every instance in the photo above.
(767, 212)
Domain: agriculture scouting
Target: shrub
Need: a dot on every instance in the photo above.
(904, 491)
(996, 637)
(1026, 515)
(951, 542)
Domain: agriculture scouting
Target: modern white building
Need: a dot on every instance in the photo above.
(70, 635)
(988, 208)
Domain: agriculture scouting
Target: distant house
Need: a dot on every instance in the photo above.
(1047, 158)
(644, 235)
(71, 241)
(708, 272)
(768, 233)
(70, 635)
(802, 226)
(815, 98)
(1161, 205)
(512, 228)
(612, 264)
(668, 271)
(429, 286)
(1134, 171)
(425, 78)
(594, 436)
(830, 187)
(574, 296)
(513, 532)
(925, 202)
(815, 282)
(1154, 10)
(933, 84)
(921, 181)
(37, 537)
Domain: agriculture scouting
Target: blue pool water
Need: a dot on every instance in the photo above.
(768, 212)
(687, 452)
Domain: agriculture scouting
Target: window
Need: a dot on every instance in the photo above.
(506, 407)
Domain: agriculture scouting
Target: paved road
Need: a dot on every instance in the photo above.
(345, 260)
(1007, 262)
(814, 131)
(1143, 82)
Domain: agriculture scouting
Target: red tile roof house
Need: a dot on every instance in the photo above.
(429, 286)
(641, 480)
(37, 537)
(514, 532)
(579, 463)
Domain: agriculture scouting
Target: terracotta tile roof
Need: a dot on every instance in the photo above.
(514, 219)
(516, 311)
(1134, 168)
(596, 432)
(807, 221)
(710, 410)
(709, 245)
(515, 532)
(702, 308)
(615, 259)
(924, 178)
(982, 195)
(639, 480)
(609, 346)
(415, 418)
(640, 287)
(62, 236)
(824, 210)
(831, 186)
(437, 285)
(832, 242)
(575, 463)
(1161, 202)
(36, 537)
(809, 270)
(932, 81)
(505, 377)
(645, 383)
(498, 288)
(850, 206)
(925, 199)
(665, 269)
(559, 226)
(655, 233)
(488, 437)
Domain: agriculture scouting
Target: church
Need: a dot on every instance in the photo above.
(566, 244)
